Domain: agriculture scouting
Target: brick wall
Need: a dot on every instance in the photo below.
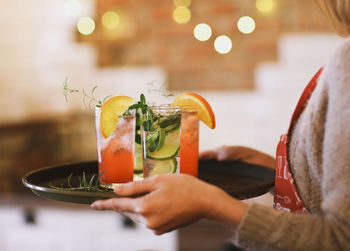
(149, 36)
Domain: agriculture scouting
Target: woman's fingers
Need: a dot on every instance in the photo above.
(167, 206)
(220, 153)
(125, 206)
(138, 218)
(209, 154)
(136, 187)
(226, 153)
(117, 204)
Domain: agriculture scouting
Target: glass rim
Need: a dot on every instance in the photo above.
(99, 108)
(170, 106)
(164, 106)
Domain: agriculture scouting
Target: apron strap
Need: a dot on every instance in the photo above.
(286, 195)
(304, 98)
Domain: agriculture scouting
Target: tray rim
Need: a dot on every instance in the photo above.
(258, 190)
(65, 192)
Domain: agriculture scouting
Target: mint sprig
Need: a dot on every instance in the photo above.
(140, 104)
(141, 109)
(156, 126)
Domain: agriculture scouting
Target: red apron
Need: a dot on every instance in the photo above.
(286, 196)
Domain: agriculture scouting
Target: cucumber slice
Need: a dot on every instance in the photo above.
(170, 122)
(169, 149)
(161, 138)
(162, 166)
(172, 127)
(138, 167)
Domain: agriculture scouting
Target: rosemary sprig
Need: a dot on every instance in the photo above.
(92, 185)
(152, 88)
(90, 97)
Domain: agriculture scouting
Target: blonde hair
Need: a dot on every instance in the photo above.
(338, 11)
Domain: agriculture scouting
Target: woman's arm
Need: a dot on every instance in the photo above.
(173, 201)
(324, 142)
(240, 153)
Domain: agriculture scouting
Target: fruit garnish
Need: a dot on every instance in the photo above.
(111, 111)
(161, 167)
(169, 147)
(204, 110)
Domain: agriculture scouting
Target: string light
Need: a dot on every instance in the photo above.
(223, 44)
(202, 32)
(110, 20)
(182, 15)
(265, 5)
(86, 25)
(246, 25)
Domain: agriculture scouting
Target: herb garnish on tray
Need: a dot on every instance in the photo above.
(92, 185)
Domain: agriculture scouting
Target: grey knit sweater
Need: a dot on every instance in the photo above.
(319, 157)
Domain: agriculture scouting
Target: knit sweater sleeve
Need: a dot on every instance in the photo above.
(266, 229)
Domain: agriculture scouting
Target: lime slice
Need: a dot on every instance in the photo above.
(163, 166)
(166, 152)
(169, 149)
(138, 168)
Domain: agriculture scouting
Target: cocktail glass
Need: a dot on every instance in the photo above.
(116, 153)
(189, 142)
(169, 140)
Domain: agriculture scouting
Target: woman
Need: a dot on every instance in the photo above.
(313, 172)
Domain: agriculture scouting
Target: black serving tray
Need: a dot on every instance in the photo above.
(239, 179)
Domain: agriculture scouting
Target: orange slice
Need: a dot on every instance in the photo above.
(205, 113)
(111, 111)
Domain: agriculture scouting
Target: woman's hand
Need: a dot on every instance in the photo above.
(173, 201)
(239, 153)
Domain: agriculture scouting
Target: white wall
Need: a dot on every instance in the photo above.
(38, 52)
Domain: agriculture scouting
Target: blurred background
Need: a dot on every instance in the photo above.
(250, 59)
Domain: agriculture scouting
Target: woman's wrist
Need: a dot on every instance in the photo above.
(222, 208)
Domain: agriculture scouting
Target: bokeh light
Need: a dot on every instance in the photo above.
(265, 5)
(202, 32)
(86, 25)
(246, 25)
(182, 3)
(182, 15)
(110, 20)
(72, 8)
(223, 44)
